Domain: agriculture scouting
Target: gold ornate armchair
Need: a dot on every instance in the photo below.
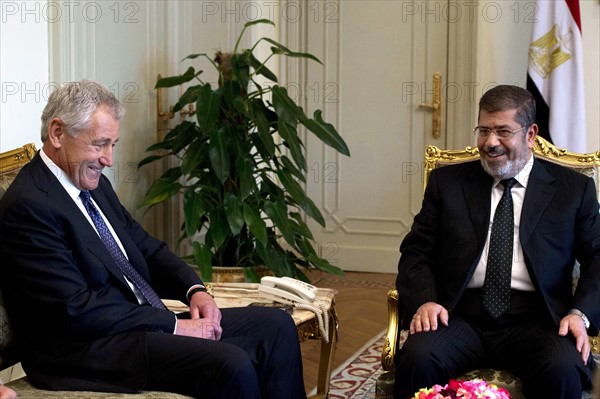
(588, 164)
(10, 164)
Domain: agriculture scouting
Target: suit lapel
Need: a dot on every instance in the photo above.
(477, 192)
(46, 182)
(540, 192)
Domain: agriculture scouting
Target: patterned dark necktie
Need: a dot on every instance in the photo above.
(496, 287)
(118, 255)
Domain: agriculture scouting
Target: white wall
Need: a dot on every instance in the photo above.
(24, 86)
(502, 45)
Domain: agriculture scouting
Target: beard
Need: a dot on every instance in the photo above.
(505, 170)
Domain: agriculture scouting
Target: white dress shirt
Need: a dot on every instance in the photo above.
(520, 279)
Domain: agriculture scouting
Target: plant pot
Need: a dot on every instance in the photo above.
(234, 274)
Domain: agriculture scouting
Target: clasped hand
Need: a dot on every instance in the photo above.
(205, 318)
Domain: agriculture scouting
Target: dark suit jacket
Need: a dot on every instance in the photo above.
(77, 321)
(559, 223)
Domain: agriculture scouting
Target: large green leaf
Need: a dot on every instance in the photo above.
(150, 159)
(262, 124)
(208, 107)
(269, 187)
(277, 211)
(219, 155)
(301, 228)
(313, 211)
(203, 258)
(245, 170)
(279, 48)
(240, 67)
(274, 259)
(257, 226)
(293, 188)
(163, 188)
(259, 21)
(261, 68)
(291, 167)
(194, 206)
(322, 264)
(298, 194)
(325, 265)
(161, 145)
(231, 91)
(290, 136)
(285, 107)
(194, 56)
(326, 132)
(176, 139)
(181, 136)
(177, 80)
(194, 155)
(218, 227)
(190, 96)
(241, 105)
(251, 276)
(234, 213)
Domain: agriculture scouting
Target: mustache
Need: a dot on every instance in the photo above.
(494, 151)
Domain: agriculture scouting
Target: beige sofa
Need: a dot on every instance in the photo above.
(588, 164)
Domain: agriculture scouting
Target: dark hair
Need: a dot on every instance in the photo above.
(507, 97)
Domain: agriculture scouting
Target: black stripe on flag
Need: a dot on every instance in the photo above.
(542, 112)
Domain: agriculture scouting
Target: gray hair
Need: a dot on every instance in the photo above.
(75, 103)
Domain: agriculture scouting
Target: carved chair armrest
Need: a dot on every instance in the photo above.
(391, 339)
(595, 344)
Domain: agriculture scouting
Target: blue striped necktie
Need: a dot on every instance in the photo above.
(118, 256)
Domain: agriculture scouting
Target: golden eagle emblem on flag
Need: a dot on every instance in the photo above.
(550, 51)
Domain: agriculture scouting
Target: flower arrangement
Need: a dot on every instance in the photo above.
(473, 389)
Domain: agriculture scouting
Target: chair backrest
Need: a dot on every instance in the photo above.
(10, 164)
(587, 164)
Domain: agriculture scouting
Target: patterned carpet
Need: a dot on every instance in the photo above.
(357, 376)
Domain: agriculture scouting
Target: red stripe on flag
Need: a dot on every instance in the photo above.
(574, 7)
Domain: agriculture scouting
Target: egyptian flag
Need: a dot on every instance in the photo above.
(555, 73)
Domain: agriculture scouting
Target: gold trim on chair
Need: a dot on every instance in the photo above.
(391, 337)
(435, 157)
(11, 162)
(14, 159)
(543, 149)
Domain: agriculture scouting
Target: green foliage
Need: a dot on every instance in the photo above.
(238, 183)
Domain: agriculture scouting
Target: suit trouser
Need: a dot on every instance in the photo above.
(524, 341)
(258, 356)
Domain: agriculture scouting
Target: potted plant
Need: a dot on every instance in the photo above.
(241, 167)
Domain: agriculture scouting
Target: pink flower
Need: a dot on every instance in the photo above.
(473, 389)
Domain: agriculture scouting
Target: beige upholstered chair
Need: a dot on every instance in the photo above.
(10, 164)
(588, 164)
